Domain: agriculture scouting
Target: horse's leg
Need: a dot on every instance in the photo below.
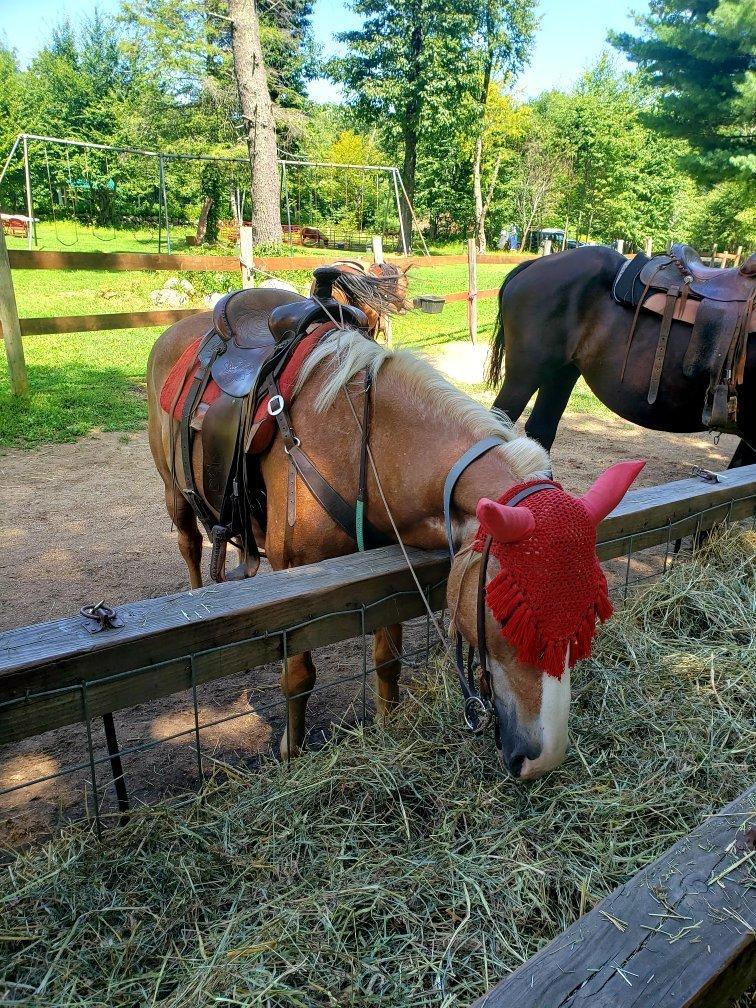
(189, 535)
(744, 455)
(297, 683)
(550, 404)
(387, 645)
(514, 395)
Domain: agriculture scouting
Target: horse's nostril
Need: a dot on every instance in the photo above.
(514, 764)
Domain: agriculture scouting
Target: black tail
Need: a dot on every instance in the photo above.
(498, 346)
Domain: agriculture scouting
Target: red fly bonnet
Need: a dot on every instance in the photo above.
(550, 588)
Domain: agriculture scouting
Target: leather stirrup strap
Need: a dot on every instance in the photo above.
(661, 347)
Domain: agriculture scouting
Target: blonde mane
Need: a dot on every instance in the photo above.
(349, 353)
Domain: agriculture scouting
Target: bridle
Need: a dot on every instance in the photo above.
(479, 706)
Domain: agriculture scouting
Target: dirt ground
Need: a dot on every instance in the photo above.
(85, 522)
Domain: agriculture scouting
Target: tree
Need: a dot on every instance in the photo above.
(503, 32)
(402, 72)
(259, 124)
(699, 55)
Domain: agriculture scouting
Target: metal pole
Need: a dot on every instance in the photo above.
(11, 329)
(405, 250)
(9, 158)
(30, 229)
(161, 166)
(116, 767)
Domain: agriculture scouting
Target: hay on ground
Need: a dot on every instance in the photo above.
(398, 866)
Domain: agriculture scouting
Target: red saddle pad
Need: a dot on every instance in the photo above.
(176, 386)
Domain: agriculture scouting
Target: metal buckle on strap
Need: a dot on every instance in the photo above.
(288, 448)
(274, 410)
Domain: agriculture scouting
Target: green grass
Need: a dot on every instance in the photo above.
(85, 381)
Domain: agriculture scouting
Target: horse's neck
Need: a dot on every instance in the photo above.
(414, 449)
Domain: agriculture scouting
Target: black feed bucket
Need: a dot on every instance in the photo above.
(430, 303)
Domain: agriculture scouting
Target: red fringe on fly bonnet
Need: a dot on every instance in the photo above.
(551, 587)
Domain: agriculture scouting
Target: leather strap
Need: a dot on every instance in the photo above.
(661, 346)
(470, 456)
(334, 505)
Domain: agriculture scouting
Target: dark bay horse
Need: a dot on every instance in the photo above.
(557, 320)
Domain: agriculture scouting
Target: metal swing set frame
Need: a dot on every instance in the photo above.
(22, 145)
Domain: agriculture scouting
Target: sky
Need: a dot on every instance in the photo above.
(571, 36)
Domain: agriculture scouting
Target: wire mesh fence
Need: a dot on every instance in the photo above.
(97, 767)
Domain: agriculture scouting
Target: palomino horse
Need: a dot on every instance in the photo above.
(421, 425)
(558, 320)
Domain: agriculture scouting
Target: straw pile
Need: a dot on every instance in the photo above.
(398, 866)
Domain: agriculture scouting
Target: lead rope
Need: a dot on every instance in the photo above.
(431, 615)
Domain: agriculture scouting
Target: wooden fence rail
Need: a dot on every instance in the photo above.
(135, 261)
(229, 628)
(625, 954)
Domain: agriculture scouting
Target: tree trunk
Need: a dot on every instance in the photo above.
(259, 124)
(409, 169)
(480, 209)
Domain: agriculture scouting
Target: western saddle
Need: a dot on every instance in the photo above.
(719, 304)
(254, 335)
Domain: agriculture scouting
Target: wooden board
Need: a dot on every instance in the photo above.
(638, 962)
(20, 259)
(106, 321)
(245, 619)
(464, 295)
(117, 261)
(684, 506)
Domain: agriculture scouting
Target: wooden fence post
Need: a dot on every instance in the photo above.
(14, 347)
(649, 247)
(621, 245)
(738, 254)
(472, 290)
(247, 256)
(377, 242)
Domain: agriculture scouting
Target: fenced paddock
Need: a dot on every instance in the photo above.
(60, 674)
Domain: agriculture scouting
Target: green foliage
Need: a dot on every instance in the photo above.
(700, 58)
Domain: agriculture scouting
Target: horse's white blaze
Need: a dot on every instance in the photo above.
(554, 719)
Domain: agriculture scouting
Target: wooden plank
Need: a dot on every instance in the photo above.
(118, 261)
(105, 322)
(464, 295)
(683, 506)
(635, 964)
(9, 325)
(244, 618)
(61, 653)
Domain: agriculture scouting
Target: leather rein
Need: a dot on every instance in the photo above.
(479, 706)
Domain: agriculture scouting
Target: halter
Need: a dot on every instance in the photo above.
(479, 707)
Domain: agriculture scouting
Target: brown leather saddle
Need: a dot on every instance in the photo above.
(254, 334)
(719, 304)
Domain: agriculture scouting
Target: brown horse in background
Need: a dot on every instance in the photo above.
(557, 320)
